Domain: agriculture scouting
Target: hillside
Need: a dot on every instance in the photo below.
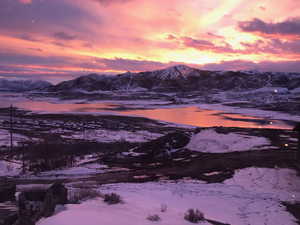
(181, 78)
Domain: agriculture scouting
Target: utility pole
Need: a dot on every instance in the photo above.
(297, 130)
(11, 127)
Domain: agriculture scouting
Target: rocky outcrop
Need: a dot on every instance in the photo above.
(163, 146)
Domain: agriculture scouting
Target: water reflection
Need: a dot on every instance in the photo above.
(190, 115)
(206, 118)
(63, 107)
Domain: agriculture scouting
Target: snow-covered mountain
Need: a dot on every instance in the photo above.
(23, 85)
(182, 78)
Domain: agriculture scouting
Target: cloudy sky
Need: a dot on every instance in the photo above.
(60, 39)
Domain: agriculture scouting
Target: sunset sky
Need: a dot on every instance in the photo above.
(62, 39)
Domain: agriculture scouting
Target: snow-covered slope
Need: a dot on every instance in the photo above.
(22, 85)
(211, 141)
(253, 196)
(183, 78)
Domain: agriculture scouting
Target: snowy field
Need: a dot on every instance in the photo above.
(211, 141)
(101, 135)
(5, 138)
(10, 168)
(253, 196)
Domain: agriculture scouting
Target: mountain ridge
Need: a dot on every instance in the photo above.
(23, 85)
(180, 78)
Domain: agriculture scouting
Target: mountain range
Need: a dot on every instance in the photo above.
(23, 85)
(173, 79)
(180, 78)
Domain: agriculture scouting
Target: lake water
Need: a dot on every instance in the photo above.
(187, 115)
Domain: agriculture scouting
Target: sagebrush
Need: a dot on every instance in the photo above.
(112, 198)
(194, 216)
(154, 218)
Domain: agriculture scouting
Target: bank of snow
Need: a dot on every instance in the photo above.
(10, 168)
(231, 202)
(210, 141)
(284, 184)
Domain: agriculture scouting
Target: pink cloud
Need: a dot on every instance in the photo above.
(266, 66)
(25, 1)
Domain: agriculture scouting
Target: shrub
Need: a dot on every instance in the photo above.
(79, 195)
(194, 216)
(112, 198)
(154, 218)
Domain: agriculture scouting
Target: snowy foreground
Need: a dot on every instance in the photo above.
(253, 196)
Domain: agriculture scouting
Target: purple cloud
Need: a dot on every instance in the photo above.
(64, 36)
(273, 46)
(288, 27)
(205, 45)
(41, 17)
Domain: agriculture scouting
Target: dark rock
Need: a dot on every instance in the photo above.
(7, 191)
(163, 145)
(294, 209)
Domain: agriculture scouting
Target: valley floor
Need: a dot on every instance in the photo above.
(233, 175)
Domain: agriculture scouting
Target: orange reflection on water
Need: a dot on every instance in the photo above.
(204, 118)
(190, 115)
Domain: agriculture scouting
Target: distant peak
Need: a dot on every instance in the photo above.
(180, 67)
(126, 73)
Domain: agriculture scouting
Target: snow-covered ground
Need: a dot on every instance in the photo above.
(252, 196)
(112, 136)
(284, 184)
(210, 141)
(10, 168)
(5, 138)
(250, 112)
(91, 168)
